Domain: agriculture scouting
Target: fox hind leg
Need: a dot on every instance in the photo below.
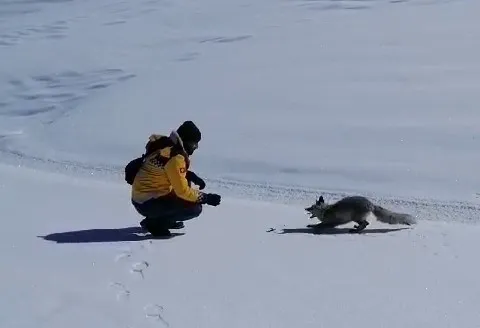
(361, 221)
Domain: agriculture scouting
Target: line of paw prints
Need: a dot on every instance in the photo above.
(153, 312)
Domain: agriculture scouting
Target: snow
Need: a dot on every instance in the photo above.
(294, 99)
(73, 256)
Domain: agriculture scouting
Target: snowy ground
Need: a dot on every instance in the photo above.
(380, 99)
(295, 98)
(72, 257)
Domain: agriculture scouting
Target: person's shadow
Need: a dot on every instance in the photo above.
(103, 235)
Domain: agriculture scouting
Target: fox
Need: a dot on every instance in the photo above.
(353, 209)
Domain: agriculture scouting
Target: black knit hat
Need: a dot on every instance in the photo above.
(189, 132)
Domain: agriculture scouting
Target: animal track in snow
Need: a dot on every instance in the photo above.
(139, 268)
(54, 30)
(53, 95)
(128, 252)
(188, 56)
(122, 256)
(115, 22)
(125, 254)
(224, 39)
(121, 12)
(151, 311)
(122, 292)
(146, 245)
(358, 4)
(155, 311)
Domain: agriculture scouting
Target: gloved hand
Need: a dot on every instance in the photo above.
(211, 199)
(192, 177)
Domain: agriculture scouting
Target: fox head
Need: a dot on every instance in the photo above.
(317, 209)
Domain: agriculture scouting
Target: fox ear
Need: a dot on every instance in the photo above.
(320, 200)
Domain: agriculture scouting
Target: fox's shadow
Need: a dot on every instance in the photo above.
(103, 235)
(337, 231)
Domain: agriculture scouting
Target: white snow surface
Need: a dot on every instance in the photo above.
(74, 257)
(295, 99)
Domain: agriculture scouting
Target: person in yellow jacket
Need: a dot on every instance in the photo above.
(161, 181)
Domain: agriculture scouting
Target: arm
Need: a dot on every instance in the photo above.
(176, 171)
(192, 177)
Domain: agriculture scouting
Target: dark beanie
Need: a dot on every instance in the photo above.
(189, 132)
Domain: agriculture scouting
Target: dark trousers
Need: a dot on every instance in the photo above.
(168, 209)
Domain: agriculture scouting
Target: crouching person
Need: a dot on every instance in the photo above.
(161, 189)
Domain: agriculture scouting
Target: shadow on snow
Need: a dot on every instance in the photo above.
(337, 231)
(138, 234)
(103, 235)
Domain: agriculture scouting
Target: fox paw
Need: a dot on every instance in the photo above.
(357, 229)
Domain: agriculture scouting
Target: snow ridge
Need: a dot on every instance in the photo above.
(421, 208)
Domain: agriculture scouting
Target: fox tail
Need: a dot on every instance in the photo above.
(391, 217)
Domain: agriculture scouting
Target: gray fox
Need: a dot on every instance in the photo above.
(353, 209)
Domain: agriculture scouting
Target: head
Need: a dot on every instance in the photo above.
(317, 209)
(190, 135)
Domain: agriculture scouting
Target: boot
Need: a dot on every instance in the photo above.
(155, 228)
(177, 225)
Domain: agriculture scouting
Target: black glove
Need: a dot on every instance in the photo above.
(192, 177)
(211, 199)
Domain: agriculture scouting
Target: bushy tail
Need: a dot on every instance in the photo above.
(390, 217)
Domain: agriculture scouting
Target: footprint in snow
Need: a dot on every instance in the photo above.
(123, 294)
(139, 268)
(151, 311)
(127, 252)
(225, 39)
(125, 255)
(155, 312)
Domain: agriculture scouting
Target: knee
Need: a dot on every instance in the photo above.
(136, 206)
(197, 210)
(139, 208)
(190, 212)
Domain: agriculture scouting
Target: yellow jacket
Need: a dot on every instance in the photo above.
(164, 171)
